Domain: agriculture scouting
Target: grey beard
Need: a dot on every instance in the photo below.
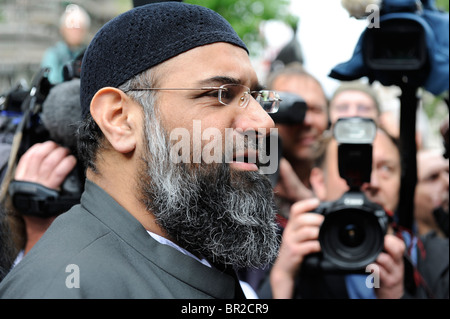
(226, 216)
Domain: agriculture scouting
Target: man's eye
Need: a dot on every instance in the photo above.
(432, 177)
(341, 108)
(227, 96)
(212, 93)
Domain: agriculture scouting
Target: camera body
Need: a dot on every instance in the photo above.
(352, 233)
(409, 47)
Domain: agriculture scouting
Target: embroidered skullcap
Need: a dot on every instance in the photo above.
(144, 37)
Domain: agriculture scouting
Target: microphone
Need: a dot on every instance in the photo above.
(292, 109)
(61, 112)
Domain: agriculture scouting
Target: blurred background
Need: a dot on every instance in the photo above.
(319, 34)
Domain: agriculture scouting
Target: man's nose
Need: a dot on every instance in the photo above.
(308, 120)
(372, 186)
(254, 118)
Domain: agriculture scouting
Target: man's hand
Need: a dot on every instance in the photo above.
(289, 185)
(45, 163)
(392, 269)
(300, 238)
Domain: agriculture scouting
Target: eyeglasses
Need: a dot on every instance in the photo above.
(229, 94)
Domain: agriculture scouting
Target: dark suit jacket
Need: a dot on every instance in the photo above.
(101, 246)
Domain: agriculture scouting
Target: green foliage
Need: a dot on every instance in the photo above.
(246, 16)
(442, 5)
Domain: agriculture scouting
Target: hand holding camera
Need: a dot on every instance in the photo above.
(345, 235)
(45, 163)
(301, 239)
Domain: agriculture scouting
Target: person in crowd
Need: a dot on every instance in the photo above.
(354, 99)
(298, 140)
(150, 226)
(300, 238)
(74, 26)
(431, 195)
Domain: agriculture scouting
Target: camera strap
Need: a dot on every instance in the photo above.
(413, 278)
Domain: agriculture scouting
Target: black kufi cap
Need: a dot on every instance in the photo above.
(144, 37)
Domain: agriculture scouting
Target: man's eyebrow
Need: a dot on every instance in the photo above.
(220, 80)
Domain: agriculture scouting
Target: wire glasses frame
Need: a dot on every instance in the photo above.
(229, 93)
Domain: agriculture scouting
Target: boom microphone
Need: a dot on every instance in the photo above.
(61, 111)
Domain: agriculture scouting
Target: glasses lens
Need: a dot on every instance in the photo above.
(233, 93)
(269, 100)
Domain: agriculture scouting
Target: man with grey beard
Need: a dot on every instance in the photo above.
(150, 225)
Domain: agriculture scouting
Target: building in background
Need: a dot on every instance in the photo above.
(28, 28)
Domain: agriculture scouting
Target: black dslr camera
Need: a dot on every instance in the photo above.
(352, 233)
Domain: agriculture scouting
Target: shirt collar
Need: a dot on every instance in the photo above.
(165, 241)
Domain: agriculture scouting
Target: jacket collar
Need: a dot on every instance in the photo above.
(218, 281)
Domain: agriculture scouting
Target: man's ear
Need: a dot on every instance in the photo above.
(317, 180)
(117, 116)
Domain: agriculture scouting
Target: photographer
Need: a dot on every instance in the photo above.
(300, 237)
(298, 139)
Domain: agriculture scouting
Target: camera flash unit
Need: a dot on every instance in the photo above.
(354, 130)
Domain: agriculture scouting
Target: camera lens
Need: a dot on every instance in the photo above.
(351, 238)
(351, 235)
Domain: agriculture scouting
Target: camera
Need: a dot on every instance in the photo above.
(44, 112)
(352, 233)
(292, 111)
(409, 47)
(72, 69)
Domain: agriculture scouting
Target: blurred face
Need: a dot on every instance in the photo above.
(432, 186)
(384, 185)
(352, 103)
(298, 140)
(74, 37)
(74, 29)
